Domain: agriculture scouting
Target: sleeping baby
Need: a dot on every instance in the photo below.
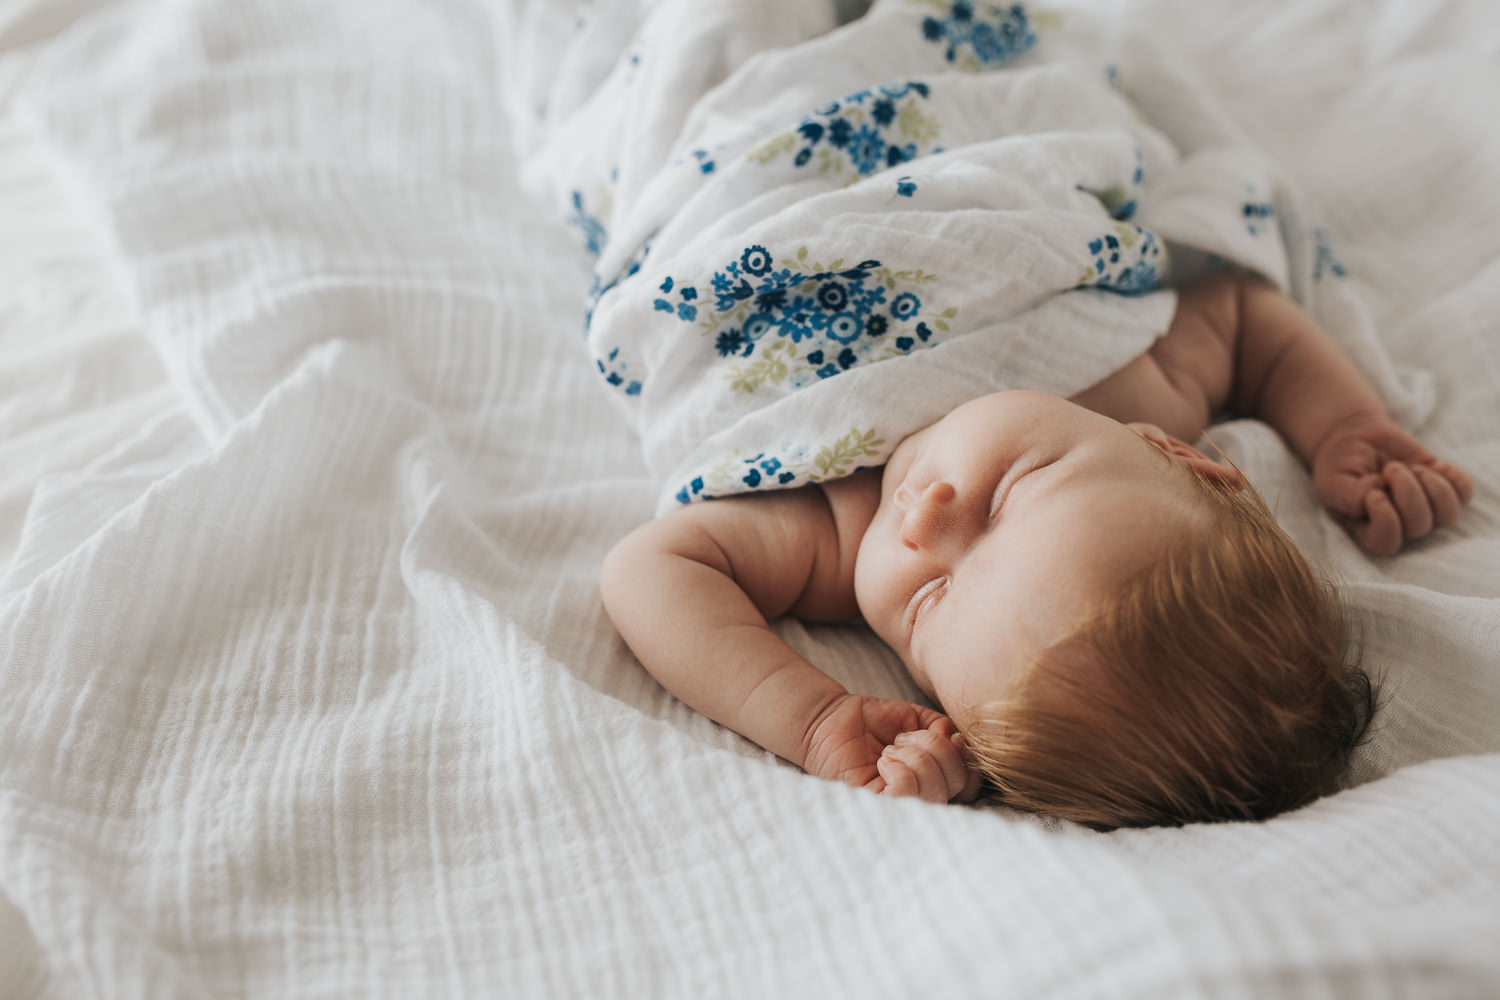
(1115, 628)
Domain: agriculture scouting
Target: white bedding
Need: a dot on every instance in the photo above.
(305, 481)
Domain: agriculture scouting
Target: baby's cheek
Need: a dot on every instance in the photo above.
(873, 594)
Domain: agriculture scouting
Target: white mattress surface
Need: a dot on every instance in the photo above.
(305, 481)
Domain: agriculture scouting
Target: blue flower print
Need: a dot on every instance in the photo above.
(1325, 260)
(866, 150)
(758, 325)
(1124, 261)
(686, 313)
(897, 155)
(614, 369)
(797, 319)
(689, 293)
(729, 342)
(844, 328)
(771, 299)
(755, 260)
(905, 306)
(994, 34)
(840, 313)
(832, 296)
(898, 90)
(905, 187)
(594, 233)
(752, 478)
(872, 128)
(1256, 212)
(727, 292)
(987, 44)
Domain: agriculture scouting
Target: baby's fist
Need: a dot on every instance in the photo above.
(1384, 486)
(928, 764)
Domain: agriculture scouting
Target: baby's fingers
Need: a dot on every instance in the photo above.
(1344, 493)
(1441, 494)
(1380, 532)
(1460, 480)
(935, 761)
(900, 781)
(1410, 498)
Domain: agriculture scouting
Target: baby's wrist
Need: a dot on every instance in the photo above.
(1349, 423)
(815, 714)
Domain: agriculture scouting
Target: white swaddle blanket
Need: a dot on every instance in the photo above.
(811, 244)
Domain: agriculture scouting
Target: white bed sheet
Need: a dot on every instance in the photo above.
(304, 484)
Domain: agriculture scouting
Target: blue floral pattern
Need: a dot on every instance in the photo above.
(704, 160)
(1256, 213)
(1324, 259)
(600, 287)
(615, 372)
(792, 466)
(980, 35)
(857, 135)
(804, 321)
(1125, 260)
(595, 235)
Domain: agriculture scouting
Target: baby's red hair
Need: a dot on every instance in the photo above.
(1220, 683)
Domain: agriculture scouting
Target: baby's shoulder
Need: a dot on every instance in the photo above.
(852, 502)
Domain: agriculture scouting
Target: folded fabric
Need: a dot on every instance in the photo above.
(809, 247)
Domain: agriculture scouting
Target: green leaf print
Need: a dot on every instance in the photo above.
(834, 461)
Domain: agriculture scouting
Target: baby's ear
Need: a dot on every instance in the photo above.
(1195, 459)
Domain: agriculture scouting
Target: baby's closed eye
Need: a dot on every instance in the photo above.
(924, 599)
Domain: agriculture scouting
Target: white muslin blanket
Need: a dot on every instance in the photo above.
(811, 244)
(306, 478)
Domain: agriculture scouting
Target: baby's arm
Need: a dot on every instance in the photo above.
(1238, 343)
(1367, 470)
(691, 594)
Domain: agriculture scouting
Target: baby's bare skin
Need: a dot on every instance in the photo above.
(1064, 500)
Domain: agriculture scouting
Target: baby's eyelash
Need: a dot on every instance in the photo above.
(934, 589)
(1008, 483)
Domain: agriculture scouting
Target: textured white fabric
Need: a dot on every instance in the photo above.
(304, 685)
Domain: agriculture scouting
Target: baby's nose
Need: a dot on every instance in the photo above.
(925, 520)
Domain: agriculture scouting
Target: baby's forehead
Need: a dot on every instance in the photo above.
(1020, 602)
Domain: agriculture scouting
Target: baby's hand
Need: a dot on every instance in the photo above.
(891, 747)
(1384, 486)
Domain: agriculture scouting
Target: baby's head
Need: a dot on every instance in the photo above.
(1115, 621)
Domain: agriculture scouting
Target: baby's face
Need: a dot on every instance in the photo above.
(1000, 525)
